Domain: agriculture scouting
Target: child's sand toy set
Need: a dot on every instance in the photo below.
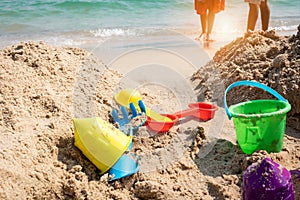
(259, 125)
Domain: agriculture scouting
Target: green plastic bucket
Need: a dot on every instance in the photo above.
(259, 124)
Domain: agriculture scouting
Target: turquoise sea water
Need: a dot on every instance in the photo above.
(76, 22)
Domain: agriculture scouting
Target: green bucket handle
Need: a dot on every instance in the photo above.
(249, 83)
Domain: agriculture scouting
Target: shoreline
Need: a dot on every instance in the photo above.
(86, 39)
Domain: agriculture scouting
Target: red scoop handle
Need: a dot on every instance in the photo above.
(200, 110)
(187, 112)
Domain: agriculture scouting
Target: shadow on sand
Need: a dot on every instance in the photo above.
(70, 155)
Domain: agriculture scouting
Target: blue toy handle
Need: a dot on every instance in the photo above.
(249, 83)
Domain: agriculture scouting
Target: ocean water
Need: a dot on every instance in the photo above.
(80, 22)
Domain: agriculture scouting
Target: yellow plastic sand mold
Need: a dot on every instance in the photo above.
(100, 141)
(127, 96)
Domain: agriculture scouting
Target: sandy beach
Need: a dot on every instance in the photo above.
(43, 87)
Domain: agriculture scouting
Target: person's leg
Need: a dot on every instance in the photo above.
(203, 19)
(210, 23)
(265, 14)
(252, 16)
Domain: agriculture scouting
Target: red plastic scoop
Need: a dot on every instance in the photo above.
(161, 127)
(202, 111)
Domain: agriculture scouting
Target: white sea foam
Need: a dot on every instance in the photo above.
(106, 32)
(285, 28)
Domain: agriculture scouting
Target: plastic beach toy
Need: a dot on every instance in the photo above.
(200, 110)
(127, 96)
(100, 141)
(127, 164)
(267, 180)
(126, 118)
(161, 127)
(259, 124)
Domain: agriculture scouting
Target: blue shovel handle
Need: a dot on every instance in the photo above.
(249, 83)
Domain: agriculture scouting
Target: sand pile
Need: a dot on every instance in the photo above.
(261, 56)
(37, 155)
(43, 87)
